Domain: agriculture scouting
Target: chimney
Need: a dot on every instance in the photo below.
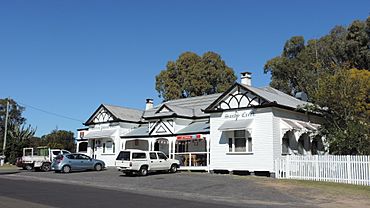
(246, 78)
(149, 104)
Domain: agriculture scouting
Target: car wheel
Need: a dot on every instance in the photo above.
(46, 167)
(143, 171)
(98, 167)
(66, 169)
(28, 167)
(173, 168)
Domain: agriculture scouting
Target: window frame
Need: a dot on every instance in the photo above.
(248, 142)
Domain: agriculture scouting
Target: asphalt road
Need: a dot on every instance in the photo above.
(112, 188)
(21, 193)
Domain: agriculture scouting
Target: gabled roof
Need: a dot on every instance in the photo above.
(119, 114)
(186, 107)
(269, 95)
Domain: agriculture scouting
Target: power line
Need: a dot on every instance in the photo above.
(51, 113)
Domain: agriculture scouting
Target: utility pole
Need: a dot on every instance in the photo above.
(5, 129)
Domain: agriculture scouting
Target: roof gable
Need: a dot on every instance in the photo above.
(101, 115)
(238, 96)
(109, 113)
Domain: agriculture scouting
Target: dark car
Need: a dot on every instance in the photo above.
(76, 162)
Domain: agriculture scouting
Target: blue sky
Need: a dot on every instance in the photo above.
(68, 57)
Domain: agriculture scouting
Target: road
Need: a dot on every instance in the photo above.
(20, 193)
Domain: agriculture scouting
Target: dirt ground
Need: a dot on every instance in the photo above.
(322, 194)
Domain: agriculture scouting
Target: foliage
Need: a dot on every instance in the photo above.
(18, 135)
(334, 71)
(59, 139)
(192, 75)
(300, 65)
(346, 95)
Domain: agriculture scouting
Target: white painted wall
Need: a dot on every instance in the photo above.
(261, 158)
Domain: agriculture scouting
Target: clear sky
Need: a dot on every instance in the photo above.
(68, 57)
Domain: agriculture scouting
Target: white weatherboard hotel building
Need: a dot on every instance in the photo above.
(242, 129)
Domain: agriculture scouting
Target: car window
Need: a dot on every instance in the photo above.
(65, 152)
(153, 156)
(162, 156)
(123, 155)
(83, 157)
(68, 156)
(59, 157)
(137, 155)
(56, 152)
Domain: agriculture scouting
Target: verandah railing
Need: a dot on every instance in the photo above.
(331, 168)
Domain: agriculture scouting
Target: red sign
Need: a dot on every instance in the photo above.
(189, 137)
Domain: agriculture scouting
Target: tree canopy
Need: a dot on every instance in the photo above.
(18, 134)
(334, 71)
(193, 75)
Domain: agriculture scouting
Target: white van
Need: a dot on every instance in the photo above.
(143, 162)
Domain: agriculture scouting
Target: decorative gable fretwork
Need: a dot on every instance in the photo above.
(237, 98)
(103, 116)
(161, 127)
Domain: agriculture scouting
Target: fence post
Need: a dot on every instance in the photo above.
(287, 166)
(317, 176)
(349, 171)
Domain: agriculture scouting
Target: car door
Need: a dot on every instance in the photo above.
(163, 164)
(85, 162)
(73, 161)
(154, 162)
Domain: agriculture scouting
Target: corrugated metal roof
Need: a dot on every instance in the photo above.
(126, 114)
(196, 127)
(188, 107)
(274, 95)
(142, 130)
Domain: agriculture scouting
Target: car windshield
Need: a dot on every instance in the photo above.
(124, 155)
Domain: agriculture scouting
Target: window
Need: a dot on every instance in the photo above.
(65, 152)
(68, 156)
(137, 155)
(162, 156)
(56, 152)
(123, 155)
(153, 156)
(114, 147)
(82, 157)
(240, 143)
(103, 147)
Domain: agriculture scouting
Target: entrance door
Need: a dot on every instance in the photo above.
(162, 145)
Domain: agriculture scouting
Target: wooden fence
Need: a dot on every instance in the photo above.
(332, 168)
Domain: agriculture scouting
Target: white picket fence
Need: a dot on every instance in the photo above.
(332, 168)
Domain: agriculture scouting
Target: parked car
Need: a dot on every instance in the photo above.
(38, 158)
(76, 162)
(143, 162)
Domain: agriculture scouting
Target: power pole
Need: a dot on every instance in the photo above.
(6, 125)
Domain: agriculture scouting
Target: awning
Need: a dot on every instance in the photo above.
(236, 125)
(292, 124)
(307, 126)
(99, 134)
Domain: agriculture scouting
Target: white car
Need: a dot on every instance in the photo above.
(143, 162)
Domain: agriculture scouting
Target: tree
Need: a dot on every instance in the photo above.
(333, 71)
(59, 139)
(18, 135)
(192, 75)
(345, 96)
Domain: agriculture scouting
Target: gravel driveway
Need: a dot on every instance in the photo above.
(228, 189)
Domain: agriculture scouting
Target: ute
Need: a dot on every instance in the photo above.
(143, 162)
(39, 158)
